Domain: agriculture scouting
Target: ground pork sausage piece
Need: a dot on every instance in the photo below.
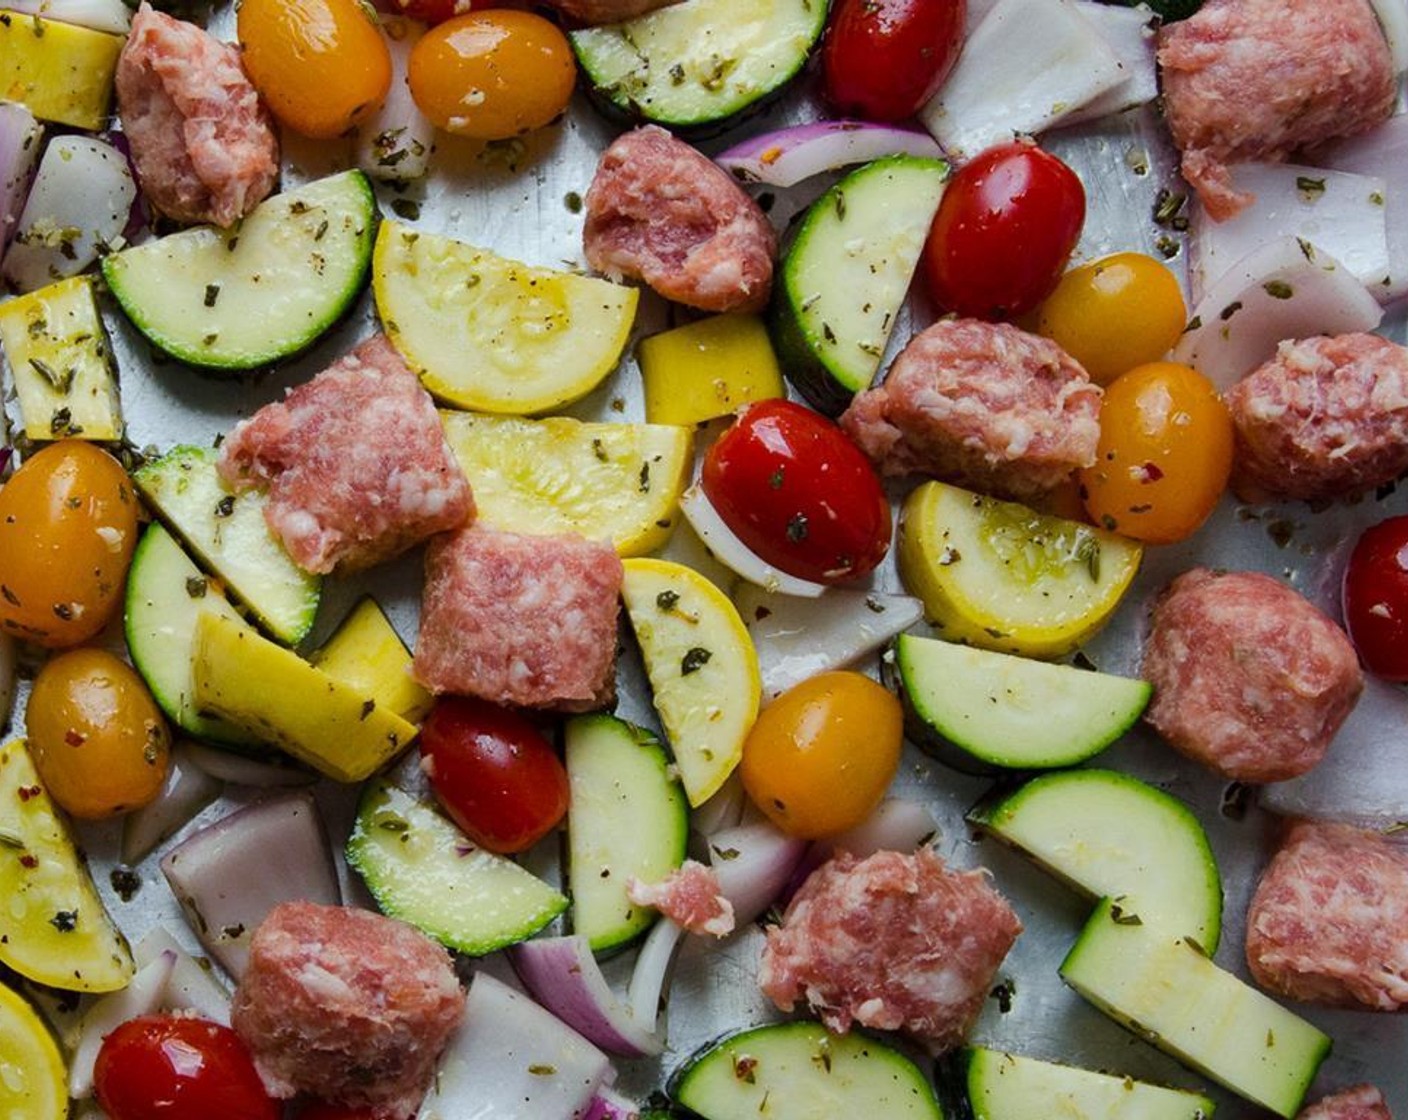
(660, 212)
(593, 12)
(1329, 920)
(1361, 1102)
(690, 896)
(1249, 678)
(356, 463)
(524, 621)
(347, 1006)
(1247, 80)
(1325, 418)
(893, 941)
(204, 145)
(984, 405)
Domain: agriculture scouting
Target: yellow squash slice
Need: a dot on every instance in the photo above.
(366, 653)
(33, 1083)
(62, 72)
(620, 482)
(702, 667)
(493, 334)
(707, 369)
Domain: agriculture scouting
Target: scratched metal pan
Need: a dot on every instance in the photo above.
(519, 199)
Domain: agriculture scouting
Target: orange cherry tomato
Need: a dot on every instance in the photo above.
(98, 739)
(322, 66)
(492, 75)
(68, 525)
(821, 756)
(1113, 314)
(1164, 455)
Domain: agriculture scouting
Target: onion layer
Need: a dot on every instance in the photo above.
(790, 155)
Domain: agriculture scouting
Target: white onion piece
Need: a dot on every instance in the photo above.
(652, 972)
(754, 862)
(1338, 212)
(142, 996)
(187, 790)
(562, 975)
(191, 985)
(723, 810)
(229, 875)
(241, 770)
(611, 1105)
(1383, 151)
(1363, 779)
(395, 142)
(897, 825)
(1027, 65)
(797, 638)
(733, 554)
(790, 155)
(79, 204)
(1238, 324)
(7, 676)
(1393, 18)
(21, 138)
(100, 15)
(1129, 32)
(513, 1060)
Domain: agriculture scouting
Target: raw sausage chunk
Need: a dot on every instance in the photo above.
(1249, 678)
(661, 212)
(1259, 79)
(356, 463)
(203, 143)
(1329, 920)
(983, 405)
(347, 1006)
(1361, 1102)
(690, 896)
(524, 621)
(1325, 418)
(893, 941)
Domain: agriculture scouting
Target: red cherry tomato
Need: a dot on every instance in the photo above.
(1376, 598)
(799, 493)
(1004, 232)
(167, 1067)
(884, 58)
(494, 773)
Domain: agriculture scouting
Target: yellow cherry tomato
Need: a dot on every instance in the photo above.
(1164, 455)
(1114, 314)
(96, 735)
(821, 756)
(492, 75)
(322, 66)
(68, 524)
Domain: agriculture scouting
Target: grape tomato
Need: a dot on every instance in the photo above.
(795, 489)
(821, 756)
(493, 771)
(883, 59)
(1113, 314)
(1004, 231)
(492, 75)
(322, 66)
(68, 525)
(1164, 455)
(169, 1067)
(98, 739)
(1375, 598)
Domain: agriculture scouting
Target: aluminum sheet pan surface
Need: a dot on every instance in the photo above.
(517, 199)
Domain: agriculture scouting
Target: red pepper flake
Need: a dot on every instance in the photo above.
(29, 862)
(1149, 472)
(75, 738)
(27, 792)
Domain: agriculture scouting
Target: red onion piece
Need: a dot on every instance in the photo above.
(1129, 32)
(188, 789)
(112, 16)
(1393, 18)
(563, 976)
(1382, 152)
(142, 996)
(21, 137)
(754, 862)
(610, 1105)
(241, 770)
(733, 554)
(191, 985)
(790, 155)
(897, 825)
(652, 971)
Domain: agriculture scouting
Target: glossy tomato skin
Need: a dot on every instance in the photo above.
(1115, 313)
(492, 75)
(1003, 232)
(883, 59)
(168, 1067)
(68, 525)
(322, 66)
(1164, 455)
(1375, 598)
(821, 756)
(98, 739)
(795, 489)
(494, 773)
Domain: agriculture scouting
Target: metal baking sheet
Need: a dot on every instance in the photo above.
(518, 200)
